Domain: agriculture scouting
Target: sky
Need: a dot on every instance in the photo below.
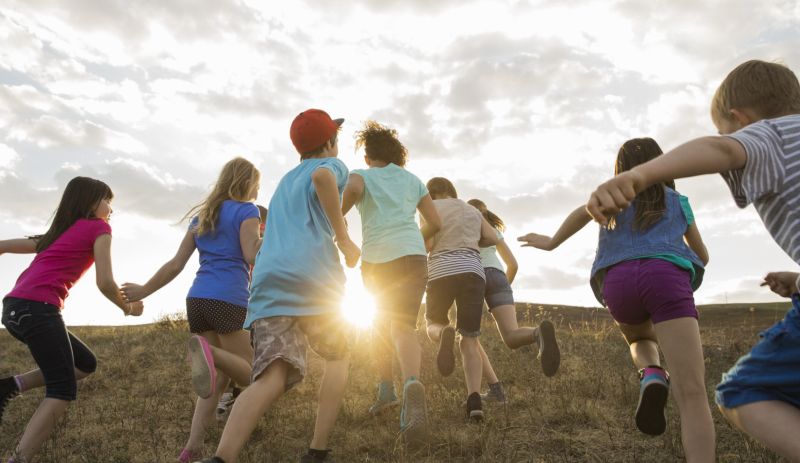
(522, 104)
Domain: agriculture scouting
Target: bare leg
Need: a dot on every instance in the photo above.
(486, 365)
(434, 331)
(40, 426)
(680, 342)
(34, 378)
(409, 352)
(383, 352)
(471, 359)
(772, 422)
(642, 342)
(331, 392)
(251, 405)
(513, 336)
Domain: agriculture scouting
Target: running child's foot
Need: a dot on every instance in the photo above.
(653, 392)
(8, 390)
(445, 357)
(386, 398)
(414, 414)
(225, 404)
(317, 456)
(474, 409)
(187, 456)
(496, 393)
(549, 353)
(204, 374)
(212, 460)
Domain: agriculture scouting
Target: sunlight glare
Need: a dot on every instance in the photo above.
(358, 306)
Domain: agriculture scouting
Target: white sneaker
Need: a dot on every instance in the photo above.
(224, 406)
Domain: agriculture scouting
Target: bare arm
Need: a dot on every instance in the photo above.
(105, 277)
(574, 222)
(352, 192)
(695, 242)
(431, 222)
(488, 234)
(249, 239)
(18, 246)
(700, 156)
(328, 195)
(509, 259)
(165, 274)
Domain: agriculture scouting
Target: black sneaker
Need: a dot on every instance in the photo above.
(445, 358)
(317, 457)
(212, 460)
(474, 409)
(8, 390)
(549, 353)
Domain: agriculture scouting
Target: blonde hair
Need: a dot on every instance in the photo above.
(236, 181)
(769, 89)
(440, 187)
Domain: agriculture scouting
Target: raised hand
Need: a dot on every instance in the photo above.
(782, 283)
(132, 292)
(535, 240)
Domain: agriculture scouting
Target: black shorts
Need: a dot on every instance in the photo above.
(467, 290)
(214, 315)
(398, 286)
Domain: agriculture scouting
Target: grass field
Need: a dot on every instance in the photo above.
(138, 406)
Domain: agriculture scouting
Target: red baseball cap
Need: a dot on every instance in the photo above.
(311, 129)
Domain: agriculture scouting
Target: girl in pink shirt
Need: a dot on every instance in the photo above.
(78, 237)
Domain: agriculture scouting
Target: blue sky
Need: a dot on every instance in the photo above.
(521, 104)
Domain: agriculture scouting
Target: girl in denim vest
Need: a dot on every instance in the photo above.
(649, 261)
(78, 237)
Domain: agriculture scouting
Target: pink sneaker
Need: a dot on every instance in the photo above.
(187, 456)
(204, 374)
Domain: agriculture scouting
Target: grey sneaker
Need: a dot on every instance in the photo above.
(386, 398)
(414, 414)
(496, 394)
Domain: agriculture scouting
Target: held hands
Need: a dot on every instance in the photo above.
(350, 250)
(614, 195)
(535, 240)
(133, 292)
(782, 283)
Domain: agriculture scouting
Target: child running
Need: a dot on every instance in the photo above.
(79, 235)
(757, 110)
(224, 229)
(455, 274)
(645, 273)
(297, 289)
(394, 260)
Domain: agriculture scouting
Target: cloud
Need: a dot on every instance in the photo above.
(552, 278)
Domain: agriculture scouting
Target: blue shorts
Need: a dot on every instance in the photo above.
(770, 371)
(498, 291)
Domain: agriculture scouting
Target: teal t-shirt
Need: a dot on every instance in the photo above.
(388, 207)
(297, 271)
(489, 257)
(685, 264)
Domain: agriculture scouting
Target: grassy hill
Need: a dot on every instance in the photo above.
(138, 406)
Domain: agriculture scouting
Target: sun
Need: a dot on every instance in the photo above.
(358, 305)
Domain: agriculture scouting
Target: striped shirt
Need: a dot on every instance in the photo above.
(447, 263)
(770, 180)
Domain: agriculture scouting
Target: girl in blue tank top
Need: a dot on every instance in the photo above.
(649, 261)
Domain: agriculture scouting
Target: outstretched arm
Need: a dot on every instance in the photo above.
(574, 222)
(165, 274)
(352, 192)
(509, 259)
(328, 195)
(705, 155)
(431, 222)
(105, 277)
(18, 246)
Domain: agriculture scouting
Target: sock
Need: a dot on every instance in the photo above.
(321, 454)
(20, 383)
(654, 370)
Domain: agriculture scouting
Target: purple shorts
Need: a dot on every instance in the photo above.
(642, 289)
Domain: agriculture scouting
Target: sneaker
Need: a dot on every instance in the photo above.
(212, 460)
(316, 458)
(204, 374)
(8, 390)
(474, 409)
(187, 456)
(414, 414)
(445, 358)
(496, 394)
(549, 354)
(225, 404)
(386, 398)
(653, 392)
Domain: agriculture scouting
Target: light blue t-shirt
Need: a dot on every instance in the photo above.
(297, 271)
(224, 275)
(489, 257)
(387, 208)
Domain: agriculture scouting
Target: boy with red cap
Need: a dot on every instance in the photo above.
(297, 288)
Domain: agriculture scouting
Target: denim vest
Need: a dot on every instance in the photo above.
(624, 243)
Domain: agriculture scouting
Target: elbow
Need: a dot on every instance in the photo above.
(435, 226)
(705, 258)
(107, 286)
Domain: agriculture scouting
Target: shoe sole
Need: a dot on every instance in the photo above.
(476, 415)
(204, 375)
(650, 417)
(445, 358)
(550, 353)
(416, 414)
(377, 409)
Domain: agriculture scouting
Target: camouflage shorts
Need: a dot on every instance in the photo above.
(287, 338)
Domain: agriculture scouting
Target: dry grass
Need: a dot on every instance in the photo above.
(138, 406)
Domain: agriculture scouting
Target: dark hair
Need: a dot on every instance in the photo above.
(318, 150)
(79, 201)
(440, 186)
(650, 203)
(381, 144)
(490, 216)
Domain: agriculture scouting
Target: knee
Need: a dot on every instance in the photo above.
(468, 344)
(692, 392)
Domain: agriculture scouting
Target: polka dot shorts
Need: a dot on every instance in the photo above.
(214, 315)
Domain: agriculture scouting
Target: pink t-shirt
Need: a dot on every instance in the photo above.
(54, 270)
